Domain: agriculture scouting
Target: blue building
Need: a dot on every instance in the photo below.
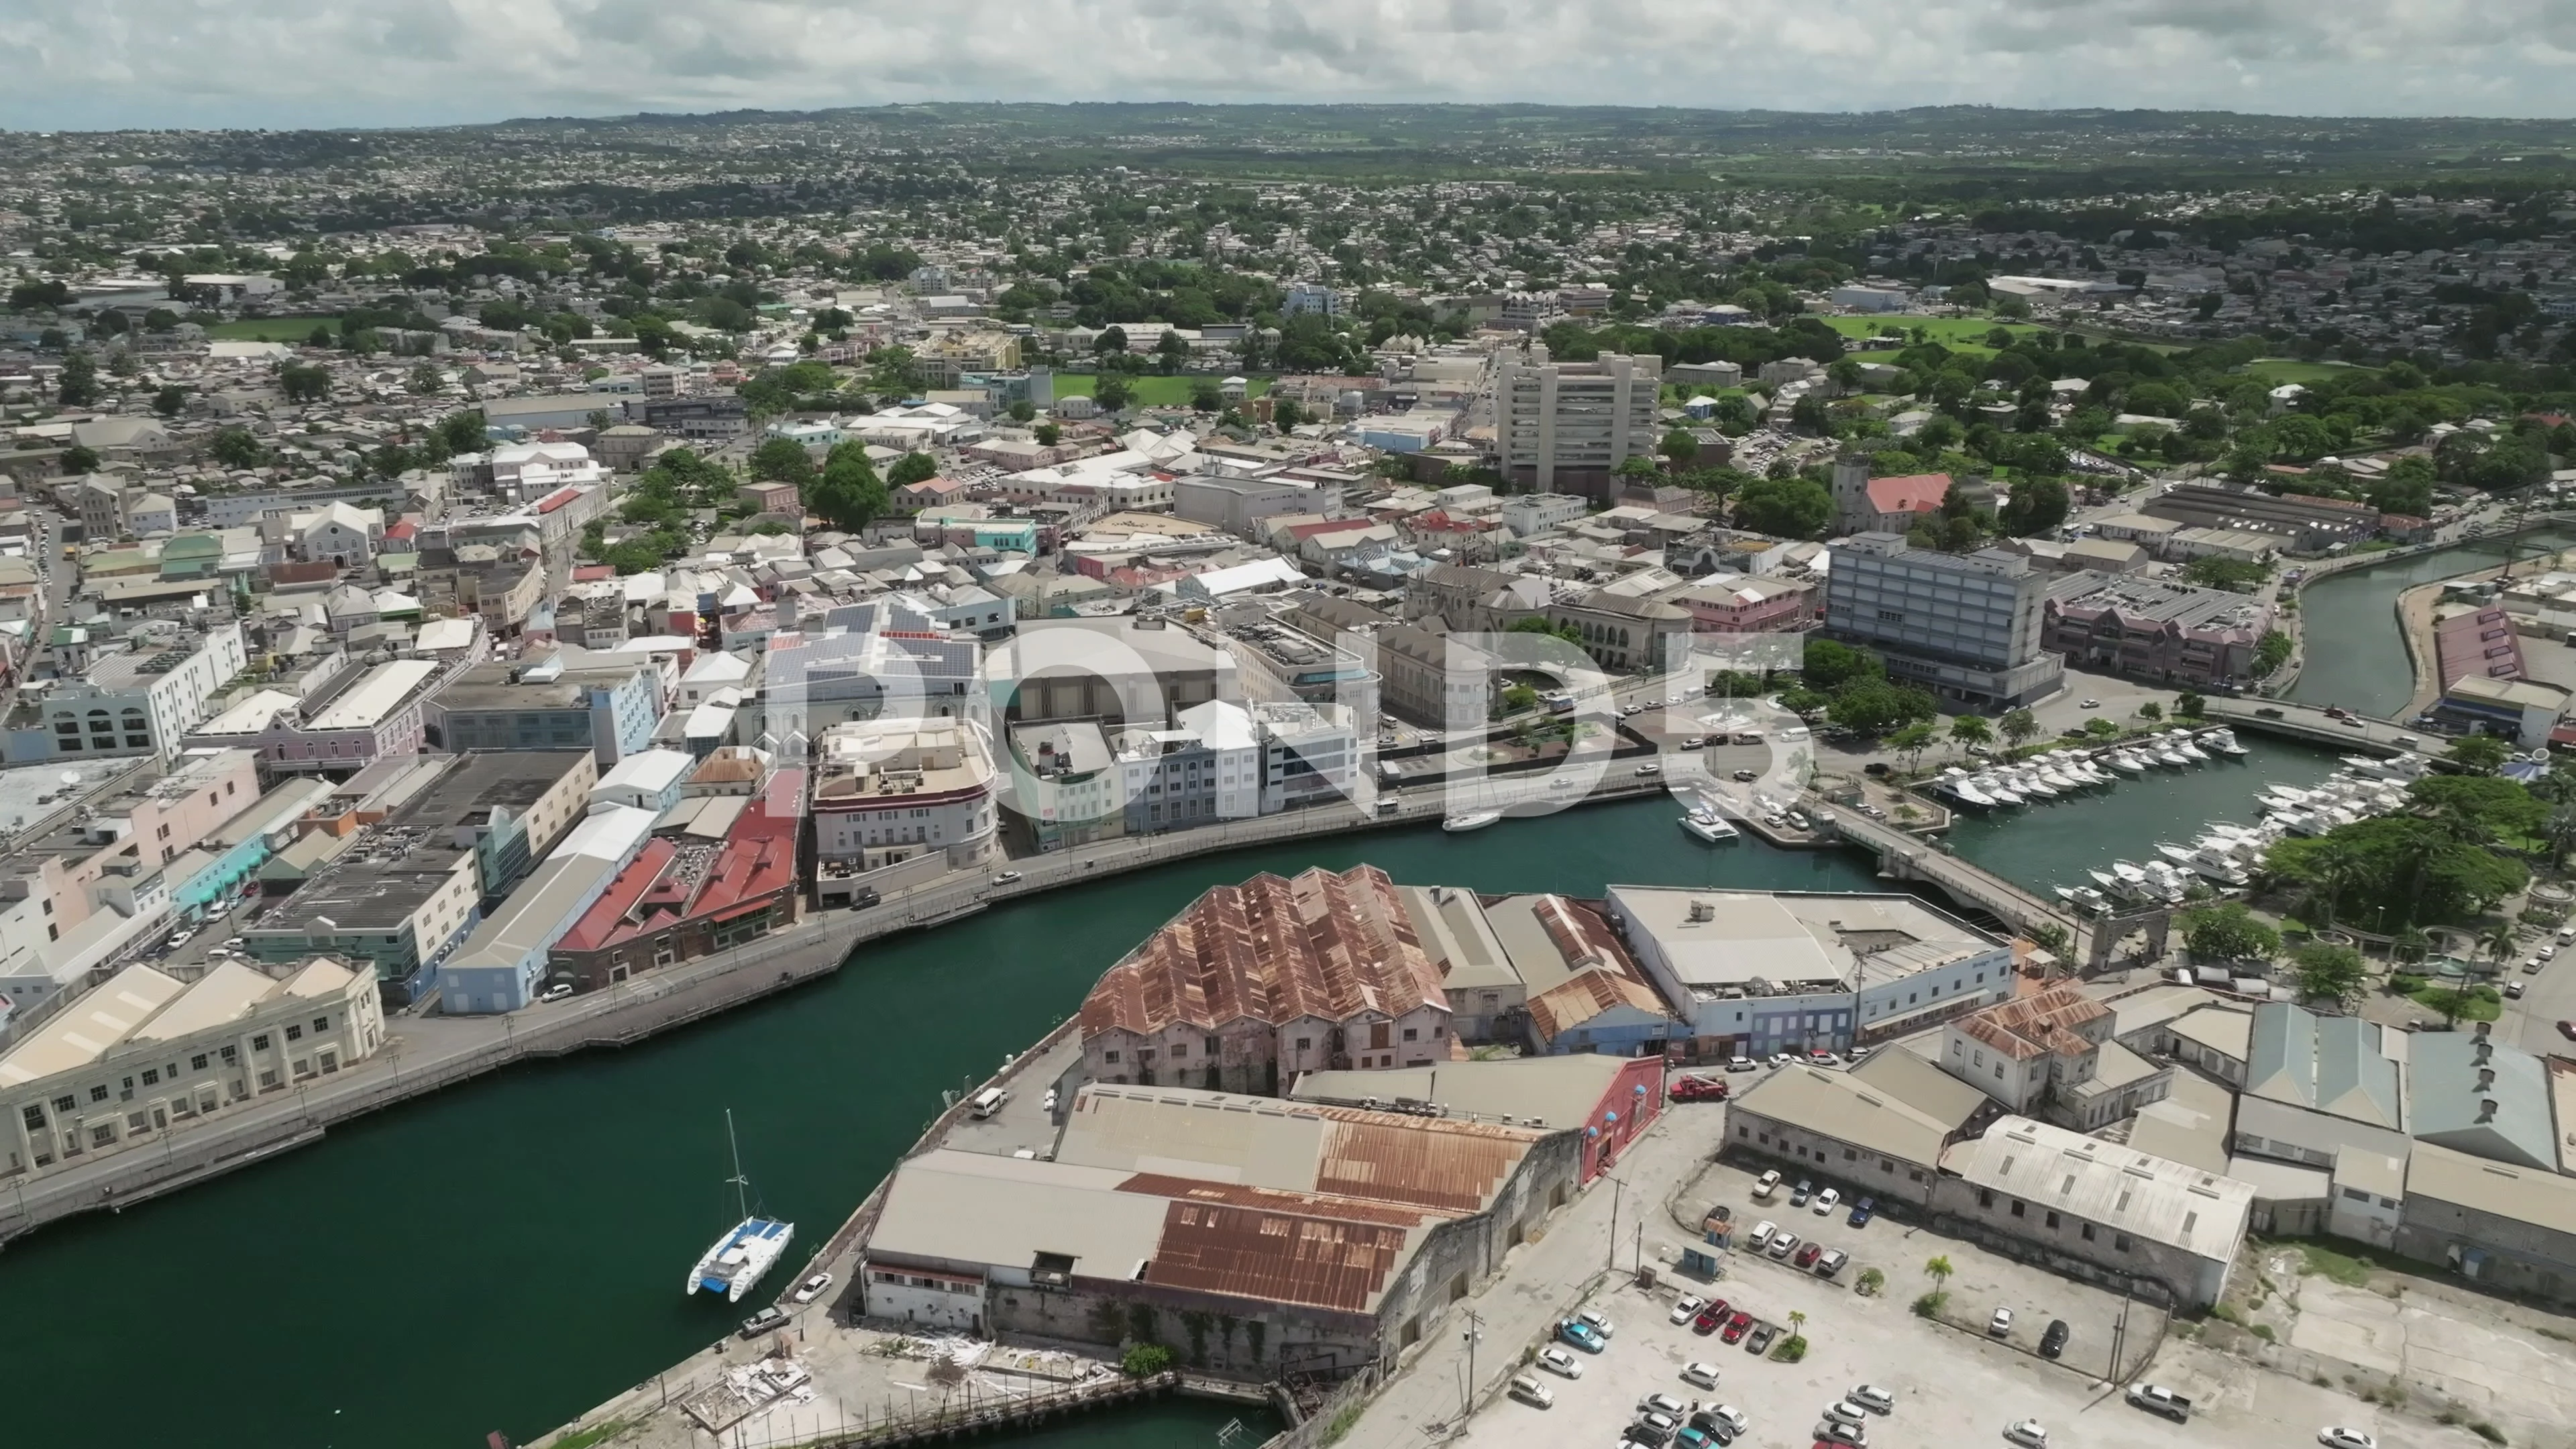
(500, 966)
(608, 705)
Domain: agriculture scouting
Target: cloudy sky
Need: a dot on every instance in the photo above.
(288, 63)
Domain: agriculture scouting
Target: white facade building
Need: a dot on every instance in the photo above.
(144, 699)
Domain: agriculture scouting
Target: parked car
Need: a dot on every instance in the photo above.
(2029, 1433)
(1688, 1308)
(1700, 1375)
(1835, 1432)
(2346, 1439)
(1806, 1190)
(1807, 1255)
(1842, 1411)
(1581, 1336)
(1763, 1232)
(1598, 1322)
(1766, 1184)
(763, 1321)
(1783, 1243)
(813, 1288)
(1530, 1391)
(2052, 1341)
(1758, 1342)
(2157, 1399)
(1652, 1430)
(1745, 1064)
(1862, 1211)
(1711, 1318)
(1871, 1397)
(1698, 1089)
(1664, 1404)
(1830, 1262)
(1827, 1200)
(556, 992)
(2001, 1324)
(1727, 1418)
(1556, 1360)
(1738, 1326)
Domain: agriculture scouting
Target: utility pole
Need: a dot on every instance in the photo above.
(1611, 1260)
(1467, 1396)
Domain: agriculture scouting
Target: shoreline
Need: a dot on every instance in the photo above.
(425, 1054)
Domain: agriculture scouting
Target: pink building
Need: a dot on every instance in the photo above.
(1749, 605)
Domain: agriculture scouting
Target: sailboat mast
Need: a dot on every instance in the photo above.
(741, 1184)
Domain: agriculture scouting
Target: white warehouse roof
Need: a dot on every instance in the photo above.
(2120, 1188)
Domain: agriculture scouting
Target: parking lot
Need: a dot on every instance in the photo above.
(1951, 1385)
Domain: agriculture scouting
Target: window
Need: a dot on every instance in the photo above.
(321, 1023)
(1849, 1155)
(294, 1033)
(98, 1094)
(151, 1076)
(1305, 1043)
(1410, 1033)
(1109, 1056)
(2120, 1241)
(2017, 1206)
(228, 1054)
(35, 1116)
(1180, 1049)
(102, 1134)
(64, 1104)
(2052, 1222)
(1210, 1046)
(259, 1043)
(2087, 1232)
(197, 1063)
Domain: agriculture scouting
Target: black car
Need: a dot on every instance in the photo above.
(2053, 1342)
(1759, 1339)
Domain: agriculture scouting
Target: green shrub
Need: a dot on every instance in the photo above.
(1790, 1349)
(2262, 1331)
(1929, 1305)
(1145, 1360)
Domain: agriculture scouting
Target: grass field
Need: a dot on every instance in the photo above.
(269, 329)
(2275, 371)
(1948, 331)
(1152, 392)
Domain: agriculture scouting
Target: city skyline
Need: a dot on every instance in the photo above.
(324, 63)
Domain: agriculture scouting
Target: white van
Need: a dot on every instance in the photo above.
(989, 1101)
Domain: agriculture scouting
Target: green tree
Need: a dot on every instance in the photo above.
(1876, 707)
(1285, 414)
(1046, 434)
(2483, 754)
(236, 449)
(1022, 410)
(2019, 725)
(1828, 666)
(77, 387)
(1912, 741)
(2271, 652)
(782, 460)
(1205, 395)
(911, 468)
(847, 494)
(78, 460)
(2228, 932)
(1679, 446)
(1971, 729)
(1112, 392)
(2189, 704)
(2481, 809)
(304, 383)
(169, 402)
(1791, 507)
(2100, 728)
(2329, 973)
(1938, 1269)
(2037, 505)
(2151, 711)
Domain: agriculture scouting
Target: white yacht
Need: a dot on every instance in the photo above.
(2049, 776)
(2183, 746)
(2030, 784)
(2166, 757)
(748, 1249)
(1965, 791)
(2223, 740)
(1710, 826)
(1473, 820)
(2127, 763)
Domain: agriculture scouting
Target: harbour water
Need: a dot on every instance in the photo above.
(2355, 653)
(2043, 846)
(507, 1254)
(510, 1253)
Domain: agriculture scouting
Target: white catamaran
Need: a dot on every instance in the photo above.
(746, 1251)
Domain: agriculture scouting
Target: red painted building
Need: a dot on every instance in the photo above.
(680, 898)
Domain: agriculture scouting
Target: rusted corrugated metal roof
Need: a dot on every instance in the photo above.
(1325, 945)
(1585, 995)
(1436, 1163)
(1279, 1257)
(1348, 1209)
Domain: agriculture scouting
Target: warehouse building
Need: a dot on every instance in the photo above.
(1294, 1237)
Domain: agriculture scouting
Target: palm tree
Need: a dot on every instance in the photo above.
(2560, 830)
(1939, 1271)
(1797, 1324)
(2498, 942)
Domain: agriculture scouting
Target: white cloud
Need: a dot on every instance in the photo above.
(287, 63)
